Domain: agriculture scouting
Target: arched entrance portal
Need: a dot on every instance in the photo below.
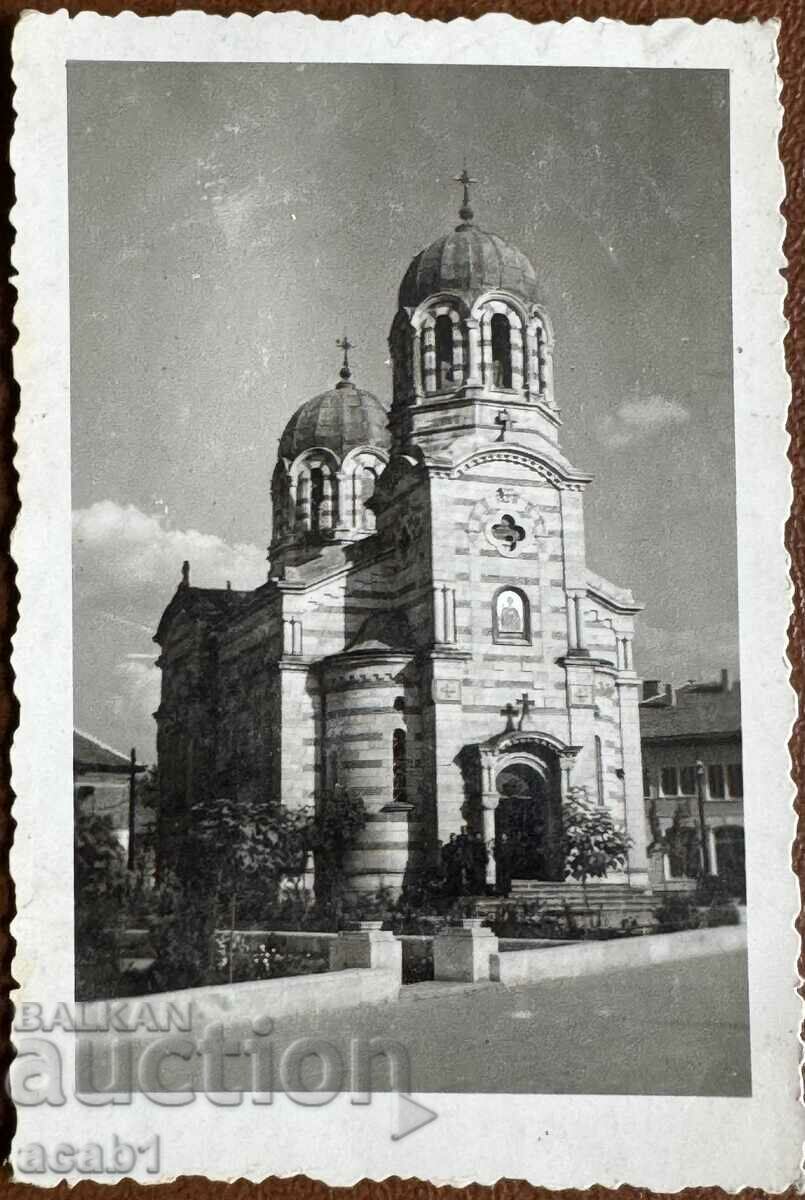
(528, 821)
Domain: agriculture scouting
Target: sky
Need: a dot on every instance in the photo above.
(228, 222)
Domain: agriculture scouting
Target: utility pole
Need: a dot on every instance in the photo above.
(702, 825)
(132, 780)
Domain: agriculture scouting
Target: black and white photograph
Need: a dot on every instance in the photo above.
(409, 706)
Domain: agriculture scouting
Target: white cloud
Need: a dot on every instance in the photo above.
(120, 550)
(139, 680)
(636, 419)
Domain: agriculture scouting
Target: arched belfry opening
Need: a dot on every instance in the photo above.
(501, 351)
(444, 351)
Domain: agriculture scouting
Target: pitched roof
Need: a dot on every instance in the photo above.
(89, 753)
(699, 710)
(206, 603)
(384, 631)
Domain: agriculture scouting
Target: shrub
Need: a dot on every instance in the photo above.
(101, 889)
(721, 914)
(243, 958)
(181, 934)
(592, 845)
(710, 889)
(677, 913)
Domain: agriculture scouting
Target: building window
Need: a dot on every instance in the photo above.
(715, 781)
(687, 781)
(599, 771)
(368, 479)
(443, 336)
(669, 782)
(646, 782)
(510, 616)
(735, 780)
(322, 507)
(501, 351)
(399, 787)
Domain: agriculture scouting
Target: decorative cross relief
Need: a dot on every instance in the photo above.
(507, 533)
(525, 710)
(509, 712)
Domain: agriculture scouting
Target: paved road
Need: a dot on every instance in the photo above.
(674, 1029)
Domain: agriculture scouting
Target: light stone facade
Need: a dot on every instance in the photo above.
(430, 635)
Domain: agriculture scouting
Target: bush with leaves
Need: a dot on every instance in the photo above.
(592, 844)
(181, 928)
(339, 818)
(101, 888)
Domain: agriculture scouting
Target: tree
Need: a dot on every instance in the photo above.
(246, 847)
(592, 845)
(101, 887)
(339, 819)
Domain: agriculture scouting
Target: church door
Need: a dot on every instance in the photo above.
(526, 825)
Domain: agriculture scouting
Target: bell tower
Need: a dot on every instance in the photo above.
(470, 341)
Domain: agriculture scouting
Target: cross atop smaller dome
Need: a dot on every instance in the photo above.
(346, 345)
(465, 212)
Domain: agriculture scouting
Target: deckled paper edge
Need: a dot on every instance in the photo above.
(38, 545)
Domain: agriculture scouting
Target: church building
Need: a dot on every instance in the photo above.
(429, 636)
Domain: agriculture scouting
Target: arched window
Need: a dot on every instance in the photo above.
(322, 507)
(501, 351)
(366, 482)
(599, 771)
(444, 351)
(510, 616)
(399, 786)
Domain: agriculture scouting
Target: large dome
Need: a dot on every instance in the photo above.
(469, 261)
(341, 419)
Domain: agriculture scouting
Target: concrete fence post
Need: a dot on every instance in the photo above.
(367, 946)
(462, 953)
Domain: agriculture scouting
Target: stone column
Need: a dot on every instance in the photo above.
(429, 356)
(572, 627)
(472, 369)
(489, 802)
(439, 631)
(579, 620)
(416, 357)
(516, 344)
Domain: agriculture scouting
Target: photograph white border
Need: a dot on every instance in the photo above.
(661, 1143)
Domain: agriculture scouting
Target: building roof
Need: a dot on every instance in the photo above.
(695, 710)
(469, 261)
(206, 603)
(341, 419)
(384, 631)
(90, 754)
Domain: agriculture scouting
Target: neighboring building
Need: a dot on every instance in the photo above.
(691, 737)
(102, 780)
(430, 635)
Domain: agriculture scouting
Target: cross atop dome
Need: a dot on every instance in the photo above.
(346, 345)
(465, 212)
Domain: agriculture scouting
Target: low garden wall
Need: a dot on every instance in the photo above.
(571, 959)
(286, 996)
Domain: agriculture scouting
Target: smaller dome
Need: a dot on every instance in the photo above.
(469, 261)
(341, 419)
